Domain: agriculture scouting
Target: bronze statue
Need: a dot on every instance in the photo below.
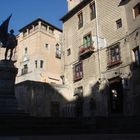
(8, 40)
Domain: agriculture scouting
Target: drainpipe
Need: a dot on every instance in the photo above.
(97, 35)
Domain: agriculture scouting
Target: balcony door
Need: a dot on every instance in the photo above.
(87, 41)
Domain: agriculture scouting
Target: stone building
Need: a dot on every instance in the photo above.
(40, 98)
(39, 53)
(91, 69)
(101, 55)
(40, 80)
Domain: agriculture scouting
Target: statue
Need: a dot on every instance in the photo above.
(8, 40)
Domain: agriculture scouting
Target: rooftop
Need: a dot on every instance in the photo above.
(123, 2)
(75, 10)
(37, 20)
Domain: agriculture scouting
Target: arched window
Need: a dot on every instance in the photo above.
(58, 51)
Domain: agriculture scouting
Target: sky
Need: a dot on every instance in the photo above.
(25, 11)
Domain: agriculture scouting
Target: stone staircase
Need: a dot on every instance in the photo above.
(118, 124)
(26, 125)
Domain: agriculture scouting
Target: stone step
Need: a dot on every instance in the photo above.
(118, 124)
(31, 125)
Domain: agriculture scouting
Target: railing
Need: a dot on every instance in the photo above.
(86, 48)
(77, 77)
(78, 72)
(112, 63)
(24, 71)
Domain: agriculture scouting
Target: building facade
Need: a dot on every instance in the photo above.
(91, 69)
(101, 55)
(40, 88)
(39, 53)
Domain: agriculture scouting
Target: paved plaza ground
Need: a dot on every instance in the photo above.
(77, 137)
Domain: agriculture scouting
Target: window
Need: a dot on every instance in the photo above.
(80, 20)
(63, 79)
(46, 45)
(87, 40)
(41, 63)
(78, 91)
(58, 51)
(114, 55)
(36, 26)
(31, 29)
(136, 53)
(35, 63)
(24, 70)
(24, 33)
(78, 71)
(125, 83)
(25, 50)
(68, 52)
(55, 109)
(51, 30)
(44, 27)
(25, 56)
(136, 10)
(92, 11)
(119, 23)
(87, 48)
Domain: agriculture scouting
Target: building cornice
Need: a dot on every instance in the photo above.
(37, 20)
(123, 2)
(75, 10)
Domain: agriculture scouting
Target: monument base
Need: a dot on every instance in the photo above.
(8, 102)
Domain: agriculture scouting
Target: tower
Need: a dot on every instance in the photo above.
(73, 3)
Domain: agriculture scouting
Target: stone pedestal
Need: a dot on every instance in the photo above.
(8, 103)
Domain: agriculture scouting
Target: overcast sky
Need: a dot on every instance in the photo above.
(25, 11)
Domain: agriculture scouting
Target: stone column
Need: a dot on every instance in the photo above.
(8, 103)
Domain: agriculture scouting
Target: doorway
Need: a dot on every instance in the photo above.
(55, 109)
(116, 95)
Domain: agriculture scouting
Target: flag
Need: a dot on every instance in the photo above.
(4, 31)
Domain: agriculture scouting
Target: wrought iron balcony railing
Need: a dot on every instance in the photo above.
(86, 49)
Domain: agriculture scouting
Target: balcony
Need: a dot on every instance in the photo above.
(77, 72)
(78, 76)
(24, 71)
(113, 63)
(86, 50)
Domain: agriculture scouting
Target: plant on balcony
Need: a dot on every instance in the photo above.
(82, 49)
(87, 48)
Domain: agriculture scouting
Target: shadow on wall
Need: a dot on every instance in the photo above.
(39, 99)
(134, 87)
(118, 95)
(43, 100)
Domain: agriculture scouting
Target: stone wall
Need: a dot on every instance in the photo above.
(36, 98)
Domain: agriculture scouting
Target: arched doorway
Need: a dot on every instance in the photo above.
(116, 95)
